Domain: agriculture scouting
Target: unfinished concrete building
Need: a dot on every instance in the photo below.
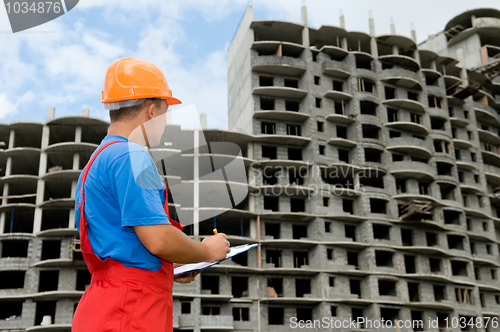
(373, 171)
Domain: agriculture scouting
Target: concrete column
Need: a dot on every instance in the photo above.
(461, 58)
(342, 21)
(203, 120)
(76, 161)
(78, 134)
(395, 50)
(196, 184)
(371, 23)
(8, 166)
(85, 112)
(393, 28)
(433, 65)
(51, 111)
(305, 30)
(37, 222)
(12, 137)
(344, 44)
(373, 41)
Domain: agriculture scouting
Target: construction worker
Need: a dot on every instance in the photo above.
(127, 238)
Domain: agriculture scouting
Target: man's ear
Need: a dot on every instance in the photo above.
(151, 111)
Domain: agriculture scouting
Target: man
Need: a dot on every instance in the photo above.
(128, 241)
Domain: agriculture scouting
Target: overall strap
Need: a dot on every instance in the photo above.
(165, 207)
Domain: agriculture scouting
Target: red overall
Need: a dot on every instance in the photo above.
(120, 298)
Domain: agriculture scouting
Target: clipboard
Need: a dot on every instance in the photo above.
(196, 267)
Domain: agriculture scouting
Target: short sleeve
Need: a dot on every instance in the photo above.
(139, 193)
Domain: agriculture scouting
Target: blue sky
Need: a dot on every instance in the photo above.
(62, 63)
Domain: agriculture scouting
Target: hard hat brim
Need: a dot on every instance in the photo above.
(173, 101)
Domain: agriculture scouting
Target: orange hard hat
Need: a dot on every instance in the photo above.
(129, 79)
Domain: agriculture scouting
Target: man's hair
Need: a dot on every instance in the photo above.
(128, 113)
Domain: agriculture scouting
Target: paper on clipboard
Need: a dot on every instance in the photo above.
(188, 268)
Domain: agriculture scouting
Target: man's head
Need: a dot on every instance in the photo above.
(136, 93)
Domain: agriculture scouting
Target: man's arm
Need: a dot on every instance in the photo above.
(172, 245)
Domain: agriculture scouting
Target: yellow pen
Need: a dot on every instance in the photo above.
(215, 231)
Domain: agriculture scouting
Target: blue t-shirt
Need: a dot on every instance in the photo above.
(122, 189)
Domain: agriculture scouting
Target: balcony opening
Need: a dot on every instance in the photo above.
(297, 205)
(83, 278)
(352, 258)
(45, 308)
(389, 314)
(296, 177)
(269, 152)
(12, 279)
(407, 237)
(333, 311)
(417, 321)
(241, 259)
(398, 157)
(461, 177)
(465, 296)
(447, 191)
(442, 321)
(384, 258)
(419, 159)
(437, 123)
(321, 149)
(394, 134)
(51, 249)
(451, 217)
(390, 92)
(273, 257)
(459, 268)
(355, 314)
(456, 242)
(493, 274)
(315, 56)
(343, 155)
(268, 128)
(316, 79)
(348, 205)
(444, 168)
(381, 232)
(477, 274)
(432, 239)
(339, 107)
(363, 63)
(19, 221)
(318, 102)
(239, 287)
(392, 115)
(368, 107)
(412, 95)
(300, 258)
(292, 83)
(299, 231)
(378, 206)
(292, 106)
(416, 118)
(269, 177)
(304, 314)
(294, 154)
(329, 254)
(488, 249)
(435, 265)
(210, 309)
(370, 131)
(365, 85)
(338, 85)
(320, 126)
(386, 287)
(472, 248)
(210, 285)
(435, 101)
(293, 130)
(355, 287)
(54, 219)
(328, 226)
(400, 183)
(431, 81)
(266, 80)
(454, 132)
(350, 232)
(267, 104)
(439, 293)
(341, 132)
(48, 280)
(423, 188)
(410, 266)
(275, 316)
(15, 248)
(275, 287)
(373, 155)
(302, 286)
(241, 314)
(272, 230)
(271, 203)
(11, 310)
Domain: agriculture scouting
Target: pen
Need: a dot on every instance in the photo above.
(215, 231)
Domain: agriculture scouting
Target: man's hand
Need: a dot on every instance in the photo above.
(216, 246)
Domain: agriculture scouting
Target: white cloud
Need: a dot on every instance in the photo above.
(9, 108)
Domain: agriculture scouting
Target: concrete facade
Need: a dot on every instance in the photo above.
(373, 171)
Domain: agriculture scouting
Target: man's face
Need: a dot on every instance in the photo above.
(156, 126)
